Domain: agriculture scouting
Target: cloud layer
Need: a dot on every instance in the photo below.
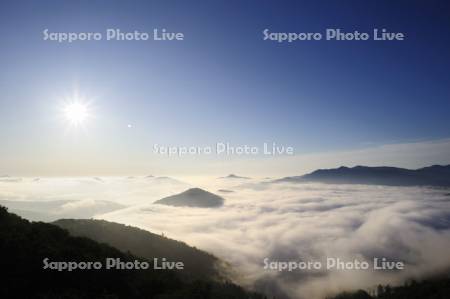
(282, 222)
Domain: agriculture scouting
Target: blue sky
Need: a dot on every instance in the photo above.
(222, 83)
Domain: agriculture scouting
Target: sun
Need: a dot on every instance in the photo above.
(76, 113)
(76, 110)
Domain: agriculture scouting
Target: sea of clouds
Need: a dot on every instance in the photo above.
(282, 222)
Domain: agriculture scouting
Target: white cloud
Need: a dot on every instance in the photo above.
(280, 221)
(313, 221)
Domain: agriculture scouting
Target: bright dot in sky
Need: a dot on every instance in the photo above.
(76, 113)
(129, 126)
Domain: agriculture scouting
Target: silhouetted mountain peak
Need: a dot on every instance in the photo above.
(234, 176)
(194, 197)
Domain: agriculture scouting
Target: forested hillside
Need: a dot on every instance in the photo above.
(24, 245)
(198, 264)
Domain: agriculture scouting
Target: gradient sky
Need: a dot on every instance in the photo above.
(222, 83)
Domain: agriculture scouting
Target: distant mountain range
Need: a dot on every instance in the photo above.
(435, 175)
(194, 197)
(233, 176)
(225, 191)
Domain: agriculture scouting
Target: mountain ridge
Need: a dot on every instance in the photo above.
(145, 244)
(435, 175)
(25, 245)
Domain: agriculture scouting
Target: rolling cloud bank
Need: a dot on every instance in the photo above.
(259, 220)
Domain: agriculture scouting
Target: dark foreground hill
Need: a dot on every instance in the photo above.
(435, 175)
(194, 197)
(24, 245)
(198, 264)
(437, 288)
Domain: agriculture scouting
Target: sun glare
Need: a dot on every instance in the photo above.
(76, 113)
